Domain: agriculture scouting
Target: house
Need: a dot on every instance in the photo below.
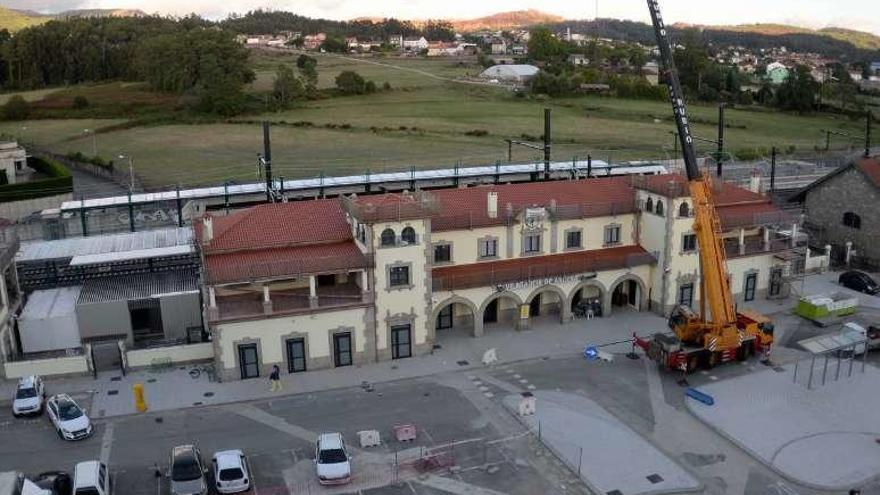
(396, 40)
(875, 68)
(443, 49)
(384, 277)
(352, 42)
(651, 72)
(578, 59)
(499, 46)
(519, 49)
(313, 41)
(515, 74)
(415, 44)
(777, 73)
(13, 162)
(840, 211)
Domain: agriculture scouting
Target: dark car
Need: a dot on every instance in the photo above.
(859, 281)
(57, 482)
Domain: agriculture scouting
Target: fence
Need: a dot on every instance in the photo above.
(145, 358)
(49, 366)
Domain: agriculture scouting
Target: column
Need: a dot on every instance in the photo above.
(794, 234)
(267, 301)
(766, 239)
(742, 241)
(213, 311)
(365, 286)
(313, 292)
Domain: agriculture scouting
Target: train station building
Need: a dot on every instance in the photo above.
(337, 282)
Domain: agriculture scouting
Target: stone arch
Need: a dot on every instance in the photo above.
(587, 283)
(564, 312)
(641, 302)
(388, 237)
(477, 317)
(497, 296)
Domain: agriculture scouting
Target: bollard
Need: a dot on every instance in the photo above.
(140, 402)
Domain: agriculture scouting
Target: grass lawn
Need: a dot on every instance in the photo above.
(424, 121)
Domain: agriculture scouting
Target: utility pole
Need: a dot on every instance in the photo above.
(267, 160)
(720, 156)
(868, 135)
(546, 144)
(773, 170)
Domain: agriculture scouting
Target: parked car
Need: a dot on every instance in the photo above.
(859, 281)
(29, 396)
(70, 421)
(92, 478)
(14, 483)
(332, 460)
(55, 482)
(187, 471)
(231, 473)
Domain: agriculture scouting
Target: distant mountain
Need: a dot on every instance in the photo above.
(102, 13)
(507, 20)
(14, 20)
(859, 39)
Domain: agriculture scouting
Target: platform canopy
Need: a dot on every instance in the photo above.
(845, 339)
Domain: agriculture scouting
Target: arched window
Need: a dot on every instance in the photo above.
(852, 220)
(659, 207)
(684, 210)
(408, 235)
(649, 205)
(387, 238)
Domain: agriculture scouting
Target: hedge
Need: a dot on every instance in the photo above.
(59, 181)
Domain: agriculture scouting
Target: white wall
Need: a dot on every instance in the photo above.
(141, 358)
(47, 367)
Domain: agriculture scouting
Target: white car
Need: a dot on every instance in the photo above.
(231, 471)
(70, 421)
(29, 396)
(332, 460)
(92, 478)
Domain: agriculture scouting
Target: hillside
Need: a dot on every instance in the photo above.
(507, 20)
(102, 13)
(859, 39)
(14, 20)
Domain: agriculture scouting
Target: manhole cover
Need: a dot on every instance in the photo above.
(436, 346)
(654, 478)
(159, 420)
(116, 379)
(462, 363)
(112, 392)
(615, 492)
(779, 369)
(209, 394)
(197, 403)
(151, 380)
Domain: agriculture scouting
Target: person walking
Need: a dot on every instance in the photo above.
(275, 378)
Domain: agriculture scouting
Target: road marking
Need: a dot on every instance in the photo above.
(455, 486)
(107, 443)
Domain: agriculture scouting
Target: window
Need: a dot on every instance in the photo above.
(852, 220)
(388, 238)
(751, 285)
(488, 248)
(342, 349)
(573, 239)
(684, 210)
(612, 234)
(399, 276)
(532, 243)
(689, 243)
(408, 235)
(400, 342)
(649, 205)
(442, 253)
(686, 295)
(362, 233)
(659, 207)
(775, 282)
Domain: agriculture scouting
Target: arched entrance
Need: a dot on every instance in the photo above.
(547, 302)
(589, 296)
(500, 308)
(456, 316)
(628, 292)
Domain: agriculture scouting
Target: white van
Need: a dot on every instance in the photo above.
(91, 478)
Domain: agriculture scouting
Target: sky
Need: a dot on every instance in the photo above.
(854, 14)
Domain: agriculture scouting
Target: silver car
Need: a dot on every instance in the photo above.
(187, 471)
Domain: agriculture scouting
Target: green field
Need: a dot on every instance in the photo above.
(426, 120)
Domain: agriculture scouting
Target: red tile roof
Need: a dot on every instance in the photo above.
(244, 266)
(871, 168)
(278, 225)
(491, 273)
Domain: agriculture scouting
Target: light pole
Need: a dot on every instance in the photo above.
(94, 140)
(130, 170)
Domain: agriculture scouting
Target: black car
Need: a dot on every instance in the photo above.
(57, 482)
(859, 281)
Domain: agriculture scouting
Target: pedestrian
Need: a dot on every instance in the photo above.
(275, 378)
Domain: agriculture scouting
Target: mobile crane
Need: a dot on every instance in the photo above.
(700, 339)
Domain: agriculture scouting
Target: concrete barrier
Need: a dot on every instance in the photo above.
(70, 365)
(143, 358)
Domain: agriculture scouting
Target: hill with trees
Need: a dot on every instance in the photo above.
(15, 20)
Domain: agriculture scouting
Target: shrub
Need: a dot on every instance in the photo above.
(370, 87)
(17, 108)
(386, 86)
(477, 132)
(350, 83)
(80, 102)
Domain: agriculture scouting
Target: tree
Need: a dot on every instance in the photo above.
(544, 47)
(287, 87)
(16, 108)
(798, 92)
(692, 61)
(370, 87)
(308, 68)
(80, 102)
(334, 44)
(350, 83)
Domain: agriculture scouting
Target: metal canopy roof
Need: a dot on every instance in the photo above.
(51, 303)
(137, 254)
(108, 247)
(846, 338)
(135, 287)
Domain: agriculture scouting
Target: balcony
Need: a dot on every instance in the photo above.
(754, 245)
(250, 304)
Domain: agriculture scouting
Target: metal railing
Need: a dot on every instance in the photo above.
(224, 272)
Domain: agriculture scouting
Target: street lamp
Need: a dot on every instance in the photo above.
(94, 140)
(130, 170)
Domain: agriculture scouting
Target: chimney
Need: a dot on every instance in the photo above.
(492, 204)
(207, 230)
(755, 181)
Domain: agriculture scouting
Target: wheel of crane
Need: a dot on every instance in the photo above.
(743, 352)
